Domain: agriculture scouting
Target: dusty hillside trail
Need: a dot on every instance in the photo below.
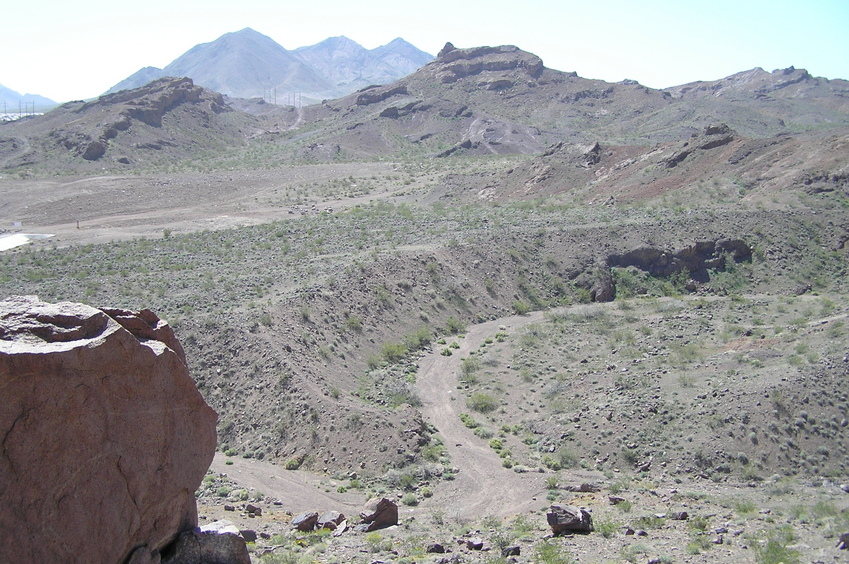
(482, 487)
(298, 490)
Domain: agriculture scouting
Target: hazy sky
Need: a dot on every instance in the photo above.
(73, 50)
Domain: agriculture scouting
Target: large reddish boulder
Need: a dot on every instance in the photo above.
(105, 437)
(378, 513)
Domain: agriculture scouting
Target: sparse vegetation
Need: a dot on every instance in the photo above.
(718, 366)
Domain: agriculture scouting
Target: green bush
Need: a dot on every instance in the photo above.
(354, 323)
(468, 421)
(481, 402)
(520, 307)
(418, 339)
(454, 326)
(393, 352)
(293, 464)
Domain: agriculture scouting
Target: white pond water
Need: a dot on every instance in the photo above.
(13, 240)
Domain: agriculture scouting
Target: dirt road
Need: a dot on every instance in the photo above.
(482, 486)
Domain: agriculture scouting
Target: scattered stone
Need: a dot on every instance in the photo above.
(340, 528)
(615, 500)
(330, 520)
(435, 548)
(229, 508)
(844, 542)
(583, 488)
(679, 515)
(474, 543)
(569, 519)
(511, 551)
(248, 534)
(253, 510)
(305, 522)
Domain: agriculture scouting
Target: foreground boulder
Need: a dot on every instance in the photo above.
(105, 436)
(565, 519)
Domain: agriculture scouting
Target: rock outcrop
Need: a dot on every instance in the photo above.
(452, 64)
(148, 105)
(104, 435)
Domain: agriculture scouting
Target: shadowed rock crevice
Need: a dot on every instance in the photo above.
(696, 261)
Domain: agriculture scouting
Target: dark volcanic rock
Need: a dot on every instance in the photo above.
(569, 519)
(193, 547)
(305, 522)
(379, 513)
(106, 437)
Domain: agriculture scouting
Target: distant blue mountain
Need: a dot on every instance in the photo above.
(12, 101)
(248, 64)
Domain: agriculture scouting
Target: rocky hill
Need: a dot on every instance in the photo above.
(503, 100)
(466, 102)
(169, 120)
(247, 64)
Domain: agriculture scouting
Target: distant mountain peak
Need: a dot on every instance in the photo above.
(248, 64)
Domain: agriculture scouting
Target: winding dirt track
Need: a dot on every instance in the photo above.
(482, 486)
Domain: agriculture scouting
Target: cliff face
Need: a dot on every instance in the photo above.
(104, 435)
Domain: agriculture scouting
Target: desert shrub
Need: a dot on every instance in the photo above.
(483, 432)
(354, 323)
(520, 307)
(482, 402)
(550, 552)
(649, 522)
(393, 352)
(419, 339)
(454, 326)
(468, 421)
(293, 464)
(468, 367)
(374, 540)
(410, 498)
(607, 527)
(433, 452)
(776, 548)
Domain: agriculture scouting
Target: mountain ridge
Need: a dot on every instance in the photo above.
(12, 99)
(248, 64)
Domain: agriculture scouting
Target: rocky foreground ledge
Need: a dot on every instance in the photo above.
(104, 437)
